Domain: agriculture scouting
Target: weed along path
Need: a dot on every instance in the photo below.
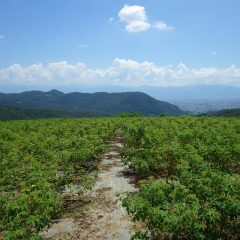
(98, 214)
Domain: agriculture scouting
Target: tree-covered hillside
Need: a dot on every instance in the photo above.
(235, 112)
(101, 103)
(16, 113)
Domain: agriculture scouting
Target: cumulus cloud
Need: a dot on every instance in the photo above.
(122, 72)
(137, 26)
(137, 21)
(135, 17)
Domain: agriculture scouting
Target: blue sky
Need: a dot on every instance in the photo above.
(125, 43)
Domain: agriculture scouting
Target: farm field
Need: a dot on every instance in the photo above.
(186, 170)
(37, 160)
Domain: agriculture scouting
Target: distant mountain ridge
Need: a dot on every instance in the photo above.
(234, 112)
(100, 103)
(167, 93)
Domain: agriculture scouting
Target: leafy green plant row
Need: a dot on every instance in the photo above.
(190, 187)
(37, 159)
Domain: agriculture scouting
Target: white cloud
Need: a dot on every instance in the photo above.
(131, 14)
(135, 17)
(163, 26)
(122, 72)
(137, 26)
(137, 21)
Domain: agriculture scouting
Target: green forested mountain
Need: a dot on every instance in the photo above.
(100, 103)
(228, 112)
(234, 112)
(17, 113)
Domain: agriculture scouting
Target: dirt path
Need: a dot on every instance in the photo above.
(99, 214)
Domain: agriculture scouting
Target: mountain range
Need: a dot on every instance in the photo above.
(162, 93)
(84, 104)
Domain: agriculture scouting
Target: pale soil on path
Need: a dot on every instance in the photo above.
(99, 214)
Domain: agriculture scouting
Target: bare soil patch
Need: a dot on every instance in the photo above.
(98, 214)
